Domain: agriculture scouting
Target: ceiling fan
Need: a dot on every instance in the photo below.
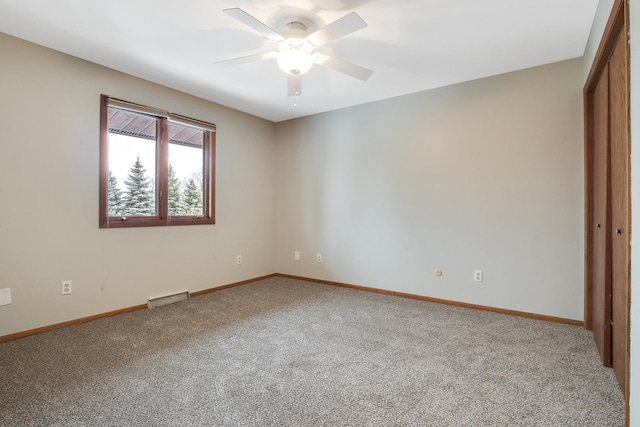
(296, 48)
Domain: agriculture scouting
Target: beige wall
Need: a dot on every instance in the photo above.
(482, 175)
(49, 116)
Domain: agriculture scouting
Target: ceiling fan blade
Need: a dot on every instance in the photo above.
(245, 59)
(344, 67)
(294, 85)
(339, 28)
(246, 19)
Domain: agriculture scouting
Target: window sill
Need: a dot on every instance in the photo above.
(118, 222)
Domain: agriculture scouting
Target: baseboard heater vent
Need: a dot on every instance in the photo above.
(166, 300)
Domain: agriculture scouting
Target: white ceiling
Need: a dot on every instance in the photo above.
(412, 45)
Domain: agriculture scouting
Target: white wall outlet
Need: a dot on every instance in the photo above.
(5, 296)
(66, 287)
(296, 255)
(319, 258)
(477, 276)
(239, 259)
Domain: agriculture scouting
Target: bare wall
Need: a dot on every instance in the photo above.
(597, 29)
(49, 136)
(482, 175)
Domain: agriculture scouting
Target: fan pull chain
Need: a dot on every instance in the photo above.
(295, 92)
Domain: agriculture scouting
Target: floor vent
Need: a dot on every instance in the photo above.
(166, 300)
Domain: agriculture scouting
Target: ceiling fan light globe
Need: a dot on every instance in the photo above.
(294, 61)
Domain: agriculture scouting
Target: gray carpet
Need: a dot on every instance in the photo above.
(282, 352)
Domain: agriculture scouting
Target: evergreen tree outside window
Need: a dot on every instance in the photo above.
(139, 198)
(175, 193)
(192, 198)
(156, 168)
(115, 197)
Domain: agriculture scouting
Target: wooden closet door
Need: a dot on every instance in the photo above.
(620, 230)
(601, 240)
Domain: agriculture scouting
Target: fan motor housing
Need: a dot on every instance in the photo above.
(295, 29)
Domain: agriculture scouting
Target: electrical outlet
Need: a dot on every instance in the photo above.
(477, 276)
(239, 259)
(319, 258)
(5, 296)
(296, 255)
(66, 287)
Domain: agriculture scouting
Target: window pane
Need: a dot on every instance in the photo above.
(132, 164)
(185, 170)
(156, 168)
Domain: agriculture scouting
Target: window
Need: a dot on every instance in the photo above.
(156, 168)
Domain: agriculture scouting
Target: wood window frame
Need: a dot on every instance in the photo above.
(162, 217)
